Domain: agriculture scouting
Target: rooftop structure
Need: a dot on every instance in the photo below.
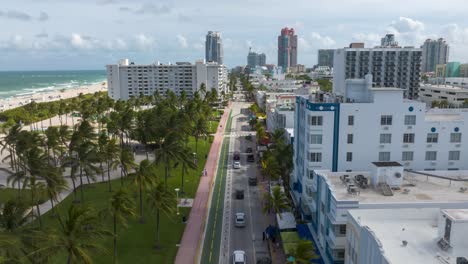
(454, 95)
(405, 236)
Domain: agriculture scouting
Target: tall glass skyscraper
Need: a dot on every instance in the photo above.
(434, 52)
(287, 49)
(214, 47)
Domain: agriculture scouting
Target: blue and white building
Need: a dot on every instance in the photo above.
(373, 149)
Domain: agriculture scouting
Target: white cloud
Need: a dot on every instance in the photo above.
(324, 41)
(144, 42)
(79, 42)
(182, 41)
(406, 25)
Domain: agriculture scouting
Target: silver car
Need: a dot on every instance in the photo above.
(240, 220)
(238, 257)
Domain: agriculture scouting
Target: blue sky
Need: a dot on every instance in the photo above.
(88, 34)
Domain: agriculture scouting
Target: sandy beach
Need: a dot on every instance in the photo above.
(20, 100)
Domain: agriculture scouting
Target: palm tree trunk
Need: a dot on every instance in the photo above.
(115, 239)
(157, 228)
(102, 171)
(69, 258)
(166, 174)
(81, 184)
(74, 187)
(108, 176)
(39, 214)
(141, 203)
(182, 183)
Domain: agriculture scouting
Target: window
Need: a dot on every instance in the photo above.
(350, 120)
(454, 155)
(455, 137)
(384, 156)
(432, 137)
(315, 120)
(407, 156)
(408, 138)
(350, 139)
(342, 230)
(315, 157)
(349, 156)
(431, 155)
(385, 138)
(315, 139)
(386, 120)
(410, 120)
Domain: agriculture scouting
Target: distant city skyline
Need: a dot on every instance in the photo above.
(89, 34)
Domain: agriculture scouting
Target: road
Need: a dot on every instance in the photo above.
(222, 237)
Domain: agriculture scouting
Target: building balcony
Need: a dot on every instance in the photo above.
(335, 241)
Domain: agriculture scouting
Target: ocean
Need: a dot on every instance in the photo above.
(17, 83)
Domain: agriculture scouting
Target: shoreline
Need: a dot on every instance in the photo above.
(49, 96)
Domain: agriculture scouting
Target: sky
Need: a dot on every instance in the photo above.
(89, 34)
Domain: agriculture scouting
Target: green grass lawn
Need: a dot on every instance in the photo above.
(9, 193)
(136, 243)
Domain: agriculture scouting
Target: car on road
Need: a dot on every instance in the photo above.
(240, 220)
(236, 165)
(249, 150)
(253, 181)
(251, 158)
(236, 155)
(238, 257)
(239, 194)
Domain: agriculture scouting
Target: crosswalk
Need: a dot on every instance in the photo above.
(240, 134)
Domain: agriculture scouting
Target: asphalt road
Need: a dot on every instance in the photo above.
(248, 238)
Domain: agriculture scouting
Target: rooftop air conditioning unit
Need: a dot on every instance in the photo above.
(407, 163)
(458, 145)
(385, 128)
(451, 162)
(410, 127)
(405, 146)
(429, 145)
(382, 146)
(433, 163)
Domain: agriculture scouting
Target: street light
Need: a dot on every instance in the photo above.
(177, 194)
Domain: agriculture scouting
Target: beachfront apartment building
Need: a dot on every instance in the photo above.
(391, 66)
(382, 236)
(126, 80)
(392, 143)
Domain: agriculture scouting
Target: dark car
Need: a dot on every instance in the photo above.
(249, 150)
(239, 194)
(253, 181)
(251, 158)
(236, 155)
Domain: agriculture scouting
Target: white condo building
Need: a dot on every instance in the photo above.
(127, 80)
(382, 236)
(373, 149)
(391, 66)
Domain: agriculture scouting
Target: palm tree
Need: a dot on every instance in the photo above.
(111, 156)
(145, 176)
(161, 200)
(200, 129)
(122, 207)
(276, 201)
(14, 214)
(172, 150)
(126, 162)
(87, 158)
(55, 184)
(303, 252)
(78, 236)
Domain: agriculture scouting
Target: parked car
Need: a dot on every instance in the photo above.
(240, 220)
(238, 257)
(236, 165)
(251, 158)
(253, 181)
(249, 150)
(239, 194)
(236, 155)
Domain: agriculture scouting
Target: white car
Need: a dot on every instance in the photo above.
(236, 165)
(238, 257)
(240, 220)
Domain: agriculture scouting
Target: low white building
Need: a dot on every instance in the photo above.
(280, 117)
(127, 80)
(428, 235)
(455, 81)
(325, 199)
(454, 95)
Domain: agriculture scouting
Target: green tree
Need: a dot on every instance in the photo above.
(276, 201)
(126, 163)
(304, 252)
(112, 158)
(161, 201)
(143, 178)
(200, 129)
(122, 207)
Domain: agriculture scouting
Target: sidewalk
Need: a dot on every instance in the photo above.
(190, 244)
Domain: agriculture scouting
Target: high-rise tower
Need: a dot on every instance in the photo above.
(214, 47)
(287, 48)
(434, 52)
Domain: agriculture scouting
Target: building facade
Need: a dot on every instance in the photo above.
(126, 80)
(463, 70)
(255, 59)
(214, 47)
(455, 96)
(452, 69)
(434, 52)
(377, 124)
(287, 48)
(390, 66)
(325, 57)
